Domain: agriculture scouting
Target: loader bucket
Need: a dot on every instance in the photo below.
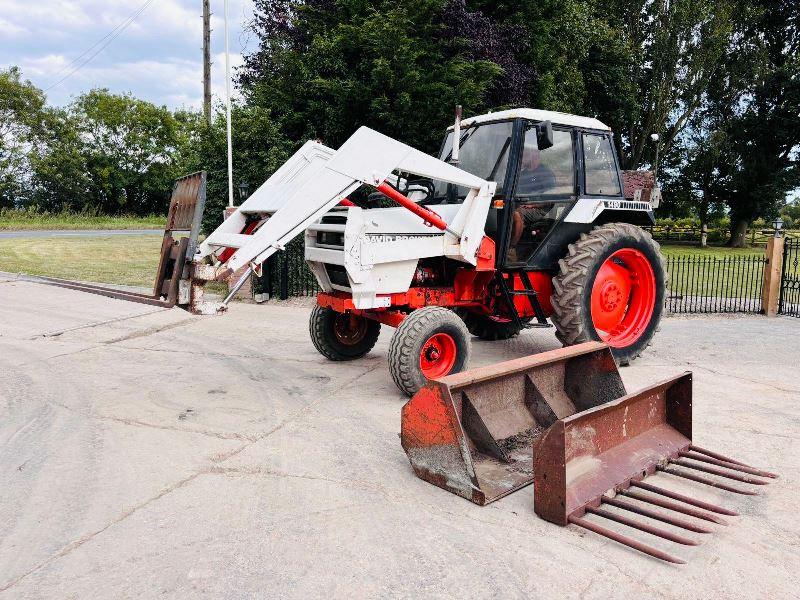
(471, 433)
(601, 457)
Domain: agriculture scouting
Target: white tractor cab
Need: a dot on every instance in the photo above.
(523, 221)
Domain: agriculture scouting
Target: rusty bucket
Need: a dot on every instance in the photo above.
(596, 459)
(471, 433)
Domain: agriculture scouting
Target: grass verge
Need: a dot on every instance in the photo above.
(23, 220)
(132, 260)
(120, 259)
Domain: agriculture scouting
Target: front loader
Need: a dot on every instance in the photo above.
(521, 219)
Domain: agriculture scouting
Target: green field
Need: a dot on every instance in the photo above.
(132, 260)
(715, 251)
(19, 220)
(120, 259)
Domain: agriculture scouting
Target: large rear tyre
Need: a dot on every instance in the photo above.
(342, 336)
(430, 343)
(487, 327)
(610, 288)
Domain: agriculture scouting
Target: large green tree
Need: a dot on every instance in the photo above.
(23, 119)
(764, 131)
(325, 67)
(113, 154)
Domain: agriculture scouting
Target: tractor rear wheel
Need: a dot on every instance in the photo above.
(610, 288)
(430, 343)
(342, 336)
(488, 327)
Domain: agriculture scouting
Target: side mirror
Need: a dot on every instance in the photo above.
(544, 135)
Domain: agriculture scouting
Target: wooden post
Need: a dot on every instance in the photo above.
(207, 61)
(773, 267)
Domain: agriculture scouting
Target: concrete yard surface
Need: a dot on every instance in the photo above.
(148, 453)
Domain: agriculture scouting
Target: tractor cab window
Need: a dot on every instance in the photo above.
(483, 152)
(545, 189)
(600, 169)
(549, 172)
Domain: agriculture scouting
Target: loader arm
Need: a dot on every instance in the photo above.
(317, 178)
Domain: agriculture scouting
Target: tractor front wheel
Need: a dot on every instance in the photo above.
(342, 336)
(430, 343)
(610, 288)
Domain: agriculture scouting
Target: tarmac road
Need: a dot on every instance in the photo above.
(147, 453)
(45, 233)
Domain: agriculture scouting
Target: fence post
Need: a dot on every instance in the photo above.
(285, 275)
(773, 267)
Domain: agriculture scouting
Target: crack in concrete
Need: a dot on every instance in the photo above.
(89, 536)
(739, 377)
(152, 330)
(341, 387)
(59, 332)
(214, 354)
(205, 432)
(137, 423)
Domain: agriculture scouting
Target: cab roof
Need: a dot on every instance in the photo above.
(537, 115)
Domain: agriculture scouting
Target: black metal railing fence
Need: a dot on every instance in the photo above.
(709, 284)
(789, 299)
(286, 274)
(696, 283)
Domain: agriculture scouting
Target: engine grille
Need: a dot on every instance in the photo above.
(338, 275)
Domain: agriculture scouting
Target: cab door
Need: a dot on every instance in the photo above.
(545, 189)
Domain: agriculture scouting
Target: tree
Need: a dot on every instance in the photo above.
(113, 154)
(765, 129)
(22, 120)
(326, 67)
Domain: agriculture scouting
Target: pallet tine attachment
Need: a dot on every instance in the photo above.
(623, 539)
(587, 459)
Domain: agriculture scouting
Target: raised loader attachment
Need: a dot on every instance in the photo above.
(471, 433)
(591, 460)
(177, 281)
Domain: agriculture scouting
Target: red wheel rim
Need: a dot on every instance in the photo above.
(438, 355)
(349, 329)
(623, 297)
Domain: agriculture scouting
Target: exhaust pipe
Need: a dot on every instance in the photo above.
(456, 137)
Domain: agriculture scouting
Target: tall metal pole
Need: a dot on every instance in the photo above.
(207, 60)
(228, 107)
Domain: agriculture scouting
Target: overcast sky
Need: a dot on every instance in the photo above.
(158, 57)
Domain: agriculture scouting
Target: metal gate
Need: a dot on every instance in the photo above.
(789, 302)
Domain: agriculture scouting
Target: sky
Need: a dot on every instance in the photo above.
(158, 57)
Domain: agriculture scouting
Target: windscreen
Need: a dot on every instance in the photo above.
(483, 152)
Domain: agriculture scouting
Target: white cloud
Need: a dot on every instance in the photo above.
(158, 57)
(11, 29)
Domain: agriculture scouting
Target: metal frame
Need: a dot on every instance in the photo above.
(184, 215)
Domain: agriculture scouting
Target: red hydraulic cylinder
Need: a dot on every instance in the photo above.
(427, 215)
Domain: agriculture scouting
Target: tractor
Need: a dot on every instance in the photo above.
(523, 218)
(520, 220)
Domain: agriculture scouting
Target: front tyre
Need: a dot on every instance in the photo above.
(610, 288)
(430, 343)
(342, 336)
